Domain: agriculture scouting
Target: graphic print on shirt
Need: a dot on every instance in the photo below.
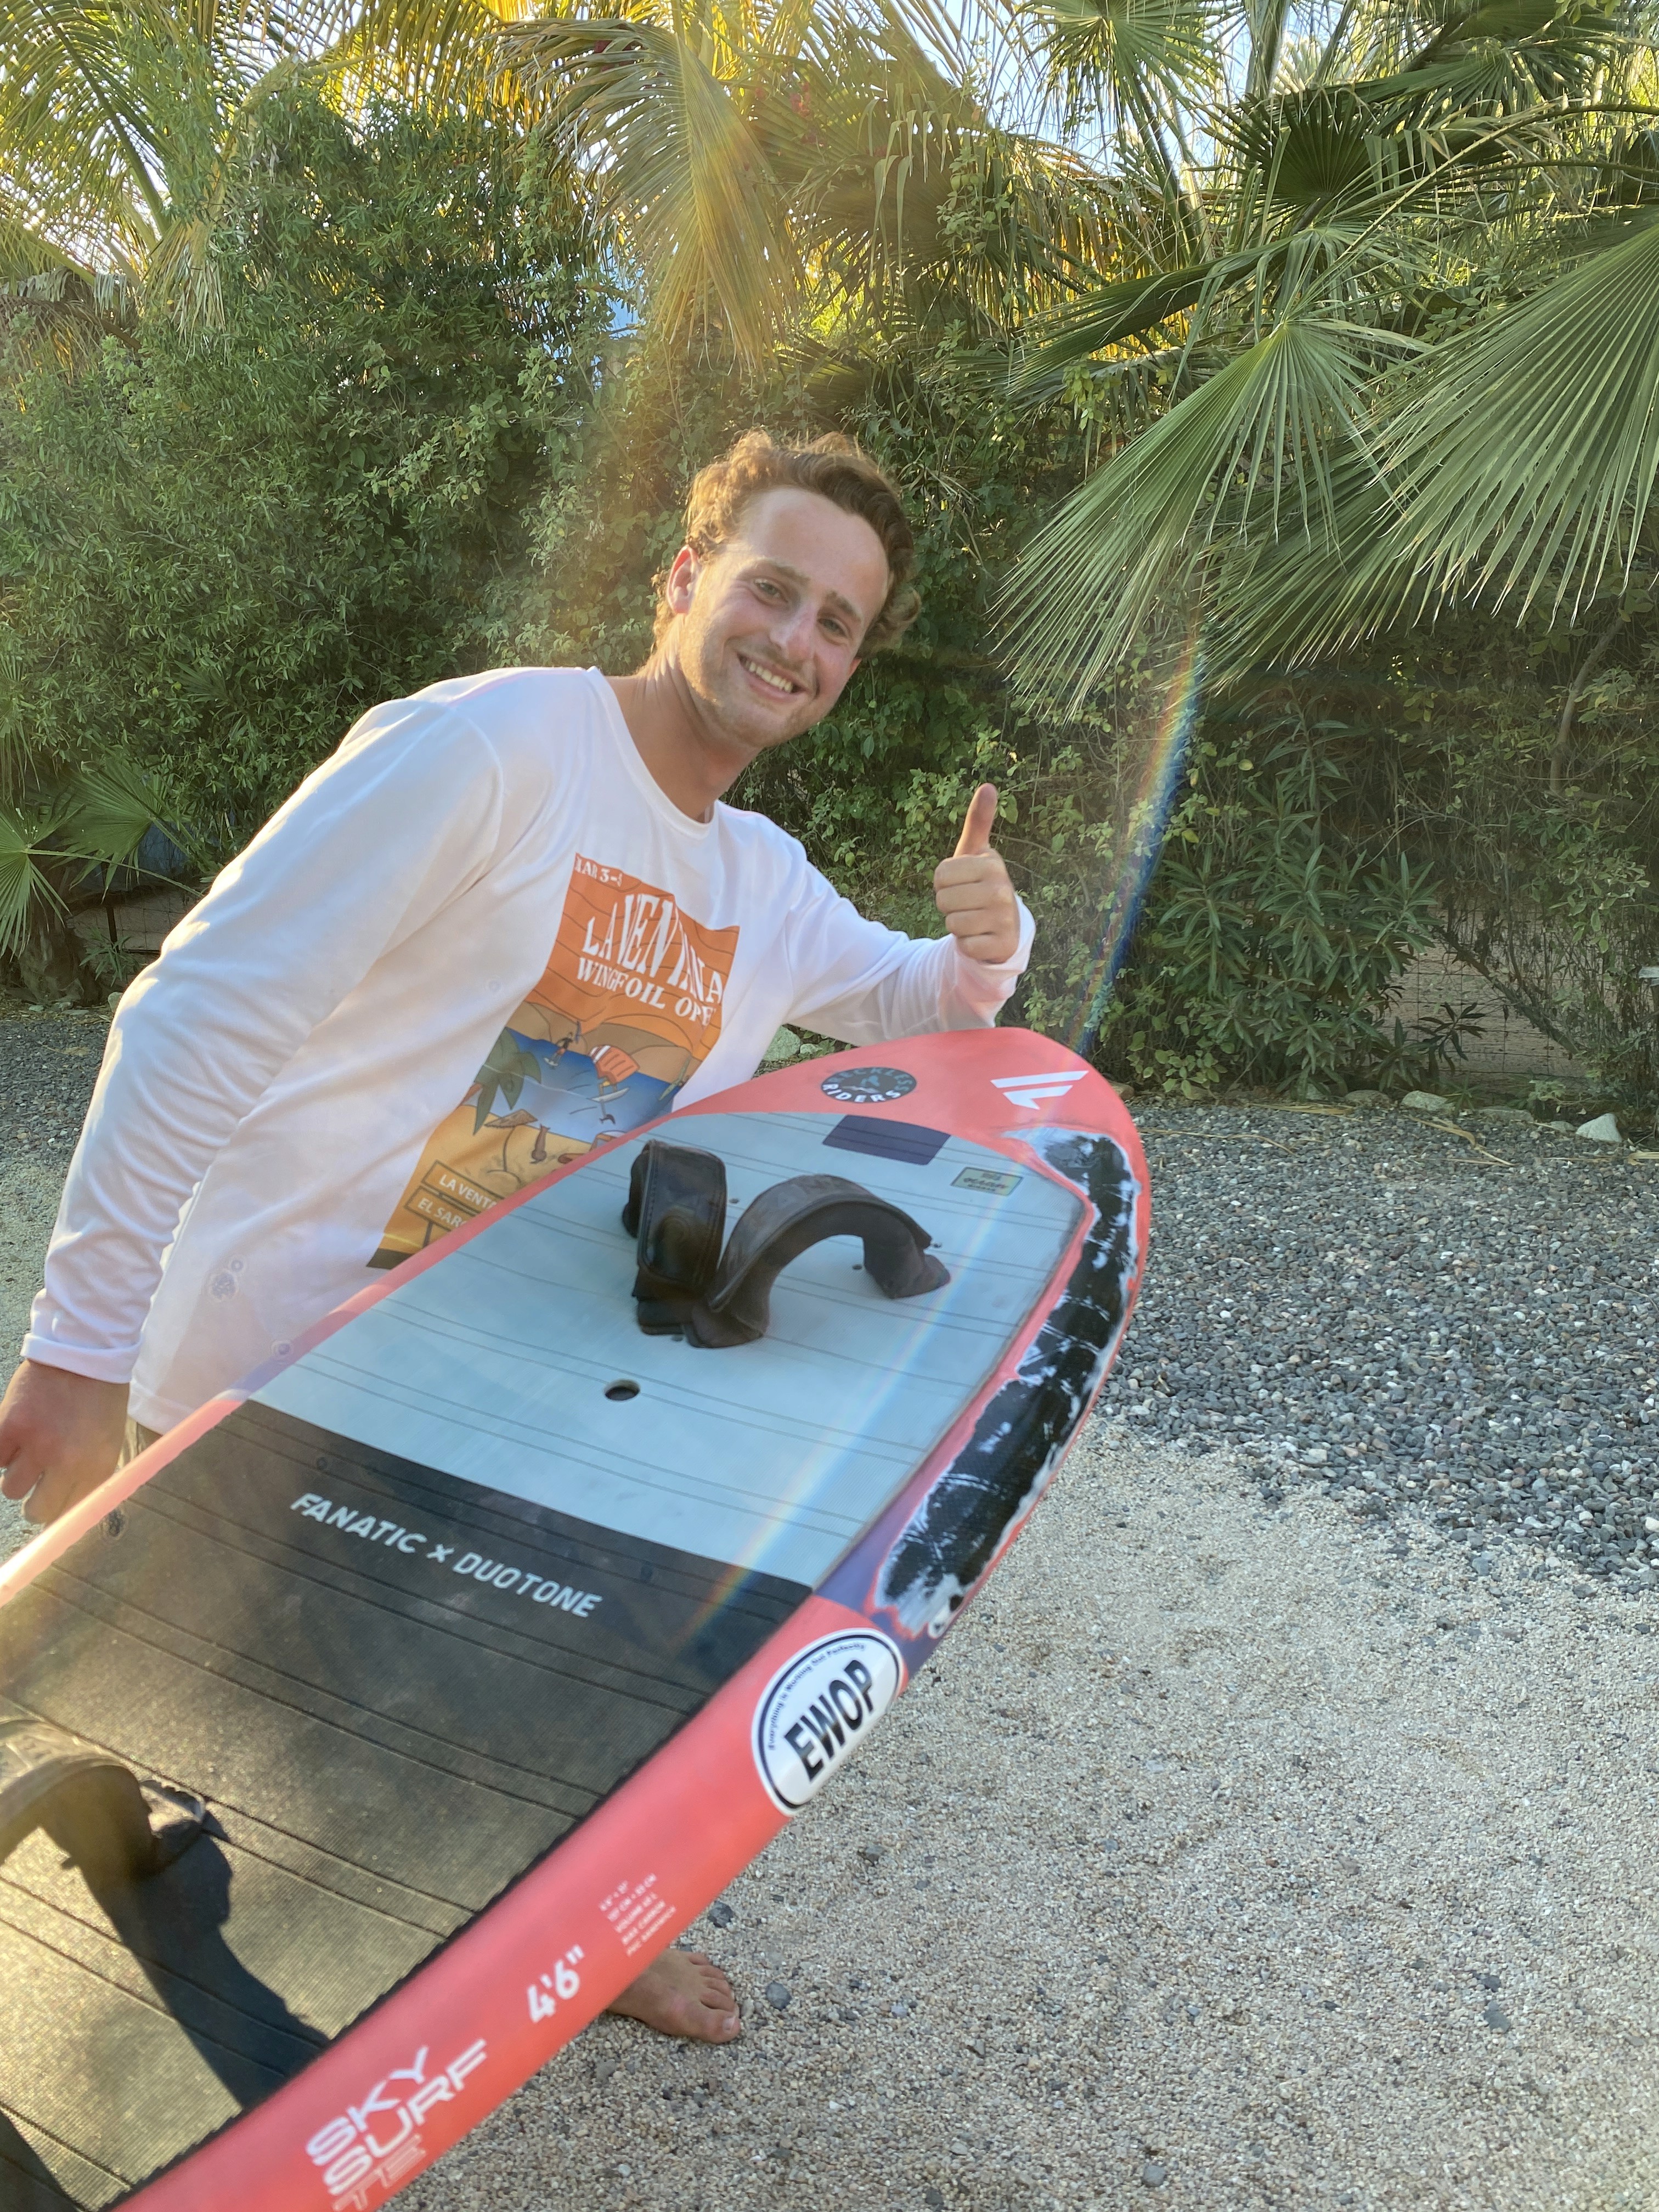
(629, 1007)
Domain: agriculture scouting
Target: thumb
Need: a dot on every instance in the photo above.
(975, 837)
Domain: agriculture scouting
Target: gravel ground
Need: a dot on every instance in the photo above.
(1276, 1831)
(1463, 1317)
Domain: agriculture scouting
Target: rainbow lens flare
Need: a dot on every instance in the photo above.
(1141, 835)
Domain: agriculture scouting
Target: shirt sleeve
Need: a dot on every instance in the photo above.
(370, 848)
(863, 983)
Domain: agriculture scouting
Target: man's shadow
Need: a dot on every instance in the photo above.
(172, 1925)
(25, 2180)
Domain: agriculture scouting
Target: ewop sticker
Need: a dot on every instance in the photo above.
(819, 1708)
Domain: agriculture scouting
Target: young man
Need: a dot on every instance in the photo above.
(507, 918)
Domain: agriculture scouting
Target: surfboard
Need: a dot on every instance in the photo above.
(369, 1733)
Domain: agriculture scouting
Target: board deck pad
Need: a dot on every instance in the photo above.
(468, 1568)
(773, 1454)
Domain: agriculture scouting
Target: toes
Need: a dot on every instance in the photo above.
(684, 1993)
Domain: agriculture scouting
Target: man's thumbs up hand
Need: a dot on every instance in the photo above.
(972, 889)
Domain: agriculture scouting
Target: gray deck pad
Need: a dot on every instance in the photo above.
(772, 1456)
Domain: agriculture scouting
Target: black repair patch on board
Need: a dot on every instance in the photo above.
(1027, 1424)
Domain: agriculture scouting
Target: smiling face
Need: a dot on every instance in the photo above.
(767, 626)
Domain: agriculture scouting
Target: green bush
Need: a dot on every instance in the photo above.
(217, 551)
(418, 446)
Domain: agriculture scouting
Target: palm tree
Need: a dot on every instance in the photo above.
(1397, 345)
(778, 170)
(1335, 307)
(125, 129)
(125, 123)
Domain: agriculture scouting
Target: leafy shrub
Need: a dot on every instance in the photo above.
(418, 446)
(217, 551)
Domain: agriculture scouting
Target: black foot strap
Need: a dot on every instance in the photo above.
(676, 1213)
(780, 1225)
(117, 1831)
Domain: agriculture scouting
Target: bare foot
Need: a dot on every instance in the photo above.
(683, 1993)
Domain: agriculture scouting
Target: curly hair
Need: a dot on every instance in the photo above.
(837, 470)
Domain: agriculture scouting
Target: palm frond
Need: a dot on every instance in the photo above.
(1281, 601)
(674, 159)
(32, 266)
(113, 806)
(1105, 317)
(1114, 56)
(439, 53)
(1526, 466)
(26, 886)
(1250, 450)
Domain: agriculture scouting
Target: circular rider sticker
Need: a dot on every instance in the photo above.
(867, 1086)
(819, 1707)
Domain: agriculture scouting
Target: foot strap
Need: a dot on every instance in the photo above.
(784, 1222)
(676, 1214)
(92, 1806)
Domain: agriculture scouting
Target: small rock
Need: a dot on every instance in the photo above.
(777, 1995)
(720, 1915)
(1316, 1456)
(1368, 1101)
(1603, 1130)
(785, 1046)
(1487, 1981)
(1426, 1102)
(869, 1852)
(1495, 2016)
(933, 2199)
(1154, 2173)
(900, 2010)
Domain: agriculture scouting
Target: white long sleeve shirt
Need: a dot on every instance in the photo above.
(477, 939)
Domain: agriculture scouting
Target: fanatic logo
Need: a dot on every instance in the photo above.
(1031, 1089)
